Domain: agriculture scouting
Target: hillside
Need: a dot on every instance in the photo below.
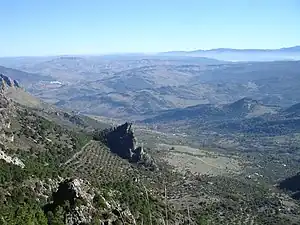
(294, 110)
(150, 113)
(266, 134)
(27, 79)
(53, 173)
(41, 158)
(48, 111)
(144, 90)
(241, 109)
(244, 125)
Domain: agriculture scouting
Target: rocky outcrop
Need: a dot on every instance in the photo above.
(75, 119)
(7, 111)
(7, 107)
(70, 192)
(83, 205)
(8, 82)
(121, 141)
(9, 159)
(291, 184)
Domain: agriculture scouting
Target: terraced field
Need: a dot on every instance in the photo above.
(97, 162)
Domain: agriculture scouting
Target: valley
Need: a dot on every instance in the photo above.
(140, 87)
(199, 161)
(208, 141)
(149, 112)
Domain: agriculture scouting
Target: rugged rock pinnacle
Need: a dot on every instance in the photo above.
(8, 82)
(121, 141)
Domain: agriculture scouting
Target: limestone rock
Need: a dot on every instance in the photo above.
(121, 141)
(8, 82)
(13, 160)
(72, 190)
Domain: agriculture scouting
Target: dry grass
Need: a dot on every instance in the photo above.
(200, 161)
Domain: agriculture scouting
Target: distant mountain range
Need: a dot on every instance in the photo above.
(289, 53)
(221, 50)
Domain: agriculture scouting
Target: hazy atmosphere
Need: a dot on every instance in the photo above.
(150, 112)
(38, 28)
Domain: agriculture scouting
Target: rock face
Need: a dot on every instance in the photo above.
(121, 141)
(8, 82)
(292, 184)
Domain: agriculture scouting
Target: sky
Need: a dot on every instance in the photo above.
(55, 27)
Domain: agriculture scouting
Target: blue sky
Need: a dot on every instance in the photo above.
(51, 27)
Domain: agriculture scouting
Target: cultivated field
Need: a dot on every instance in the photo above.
(185, 158)
(96, 161)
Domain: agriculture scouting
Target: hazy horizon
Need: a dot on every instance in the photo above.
(51, 28)
(131, 53)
